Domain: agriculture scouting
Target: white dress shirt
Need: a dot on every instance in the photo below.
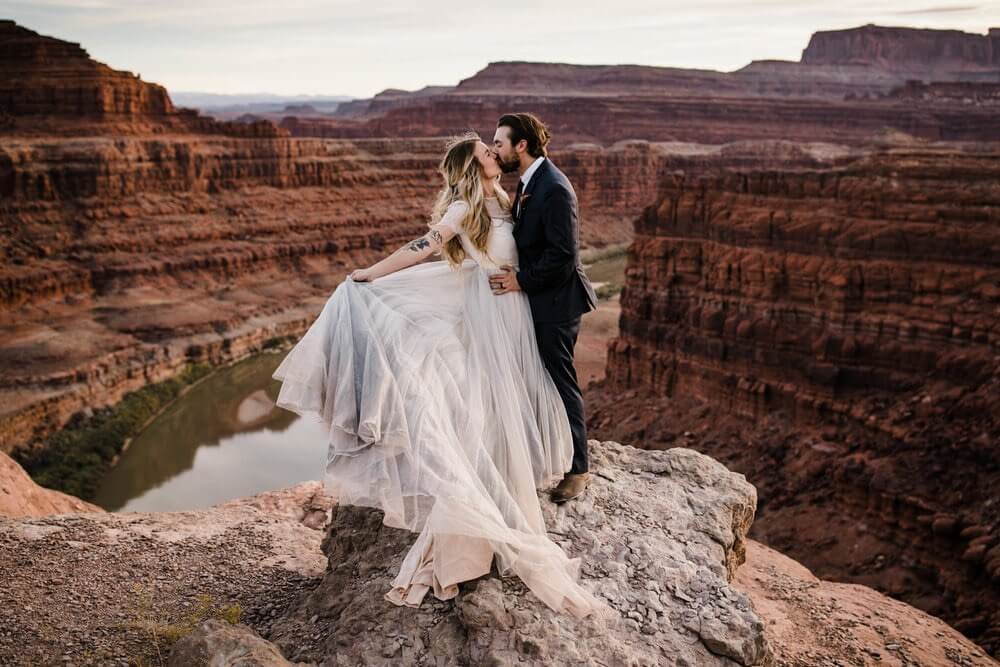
(532, 168)
(526, 176)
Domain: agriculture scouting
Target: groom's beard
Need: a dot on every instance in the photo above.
(509, 167)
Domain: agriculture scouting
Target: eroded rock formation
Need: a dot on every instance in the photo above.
(137, 240)
(810, 621)
(845, 319)
(49, 86)
(41, 75)
(125, 258)
(695, 118)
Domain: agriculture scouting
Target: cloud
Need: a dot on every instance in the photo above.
(938, 10)
(359, 47)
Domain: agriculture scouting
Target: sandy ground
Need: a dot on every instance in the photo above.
(106, 588)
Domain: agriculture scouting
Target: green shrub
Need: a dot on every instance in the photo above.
(607, 291)
(76, 458)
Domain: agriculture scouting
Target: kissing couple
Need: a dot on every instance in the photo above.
(448, 386)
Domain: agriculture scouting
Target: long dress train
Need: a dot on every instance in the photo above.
(442, 414)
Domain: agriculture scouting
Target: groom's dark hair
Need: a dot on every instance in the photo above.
(528, 127)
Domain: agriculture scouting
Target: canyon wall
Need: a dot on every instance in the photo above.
(138, 238)
(51, 87)
(126, 257)
(954, 92)
(876, 276)
(44, 75)
(843, 323)
(548, 79)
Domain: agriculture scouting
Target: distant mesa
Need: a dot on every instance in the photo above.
(848, 85)
(900, 48)
(301, 109)
(247, 118)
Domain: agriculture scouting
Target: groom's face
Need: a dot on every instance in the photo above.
(506, 155)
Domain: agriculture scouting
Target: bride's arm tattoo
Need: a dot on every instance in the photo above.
(409, 253)
(419, 244)
(422, 243)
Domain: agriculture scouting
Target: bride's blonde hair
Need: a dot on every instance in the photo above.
(463, 181)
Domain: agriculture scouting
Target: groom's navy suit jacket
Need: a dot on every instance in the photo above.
(547, 234)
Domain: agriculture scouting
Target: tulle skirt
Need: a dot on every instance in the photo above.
(442, 415)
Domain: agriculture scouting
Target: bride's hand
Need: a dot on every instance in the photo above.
(361, 275)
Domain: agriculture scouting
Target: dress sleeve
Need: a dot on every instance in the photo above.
(453, 216)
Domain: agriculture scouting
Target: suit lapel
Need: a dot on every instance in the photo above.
(541, 172)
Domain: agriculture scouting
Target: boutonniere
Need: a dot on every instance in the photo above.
(520, 200)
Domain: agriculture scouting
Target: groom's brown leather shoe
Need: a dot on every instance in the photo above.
(570, 487)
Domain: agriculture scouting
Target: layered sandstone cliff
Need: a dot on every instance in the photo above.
(132, 247)
(49, 86)
(136, 239)
(957, 92)
(833, 334)
(126, 258)
(547, 79)
(41, 75)
(696, 118)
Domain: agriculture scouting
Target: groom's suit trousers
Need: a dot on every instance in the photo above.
(556, 341)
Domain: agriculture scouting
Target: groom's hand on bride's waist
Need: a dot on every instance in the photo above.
(505, 281)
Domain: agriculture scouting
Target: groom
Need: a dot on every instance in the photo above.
(548, 235)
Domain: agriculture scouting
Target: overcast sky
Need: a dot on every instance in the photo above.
(360, 48)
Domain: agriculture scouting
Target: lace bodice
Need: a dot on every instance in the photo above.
(501, 246)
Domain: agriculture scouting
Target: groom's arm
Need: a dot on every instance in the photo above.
(558, 260)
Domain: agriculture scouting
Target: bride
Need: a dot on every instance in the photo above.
(439, 408)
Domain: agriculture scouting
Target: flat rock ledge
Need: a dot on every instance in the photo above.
(660, 534)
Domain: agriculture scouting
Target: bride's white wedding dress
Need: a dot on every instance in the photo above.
(442, 415)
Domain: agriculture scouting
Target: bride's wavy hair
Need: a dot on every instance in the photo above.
(463, 181)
